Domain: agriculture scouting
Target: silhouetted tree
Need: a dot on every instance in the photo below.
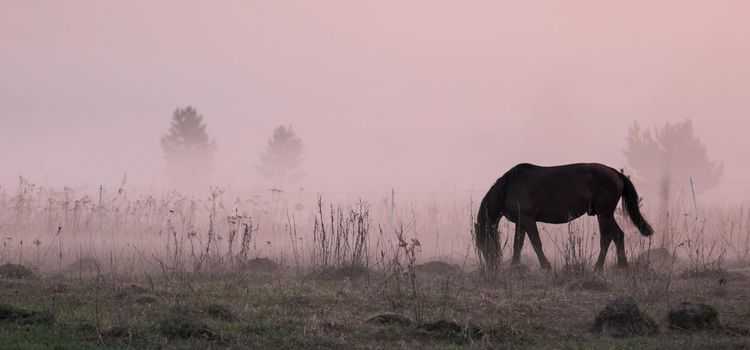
(188, 150)
(281, 161)
(671, 154)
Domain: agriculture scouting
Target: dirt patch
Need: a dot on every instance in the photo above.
(116, 332)
(719, 274)
(520, 269)
(742, 270)
(136, 294)
(332, 326)
(60, 288)
(134, 289)
(450, 330)
(622, 318)
(9, 313)
(145, 299)
(260, 265)
(508, 333)
(691, 317)
(390, 318)
(351, 272)
(130, 290)
(13, 271)
(590, 284)
(220, 312)
(575, 270)
(657, 258)
(720, 291)
(178, 323)
(85, 264)
(438, 268)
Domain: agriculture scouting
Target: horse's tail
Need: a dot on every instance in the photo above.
(631, 200)
(486, 236)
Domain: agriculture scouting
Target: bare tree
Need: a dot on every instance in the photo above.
(281, 162)
(188, 151)
(671, 154)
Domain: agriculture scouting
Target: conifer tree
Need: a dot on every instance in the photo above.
(671, 154)
(281, 162)
(188, 151)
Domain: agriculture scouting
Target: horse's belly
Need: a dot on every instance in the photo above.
(550, 218)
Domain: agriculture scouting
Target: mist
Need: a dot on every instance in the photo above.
(419, 96)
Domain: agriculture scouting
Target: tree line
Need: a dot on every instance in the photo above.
(665, 155)
(189, 153)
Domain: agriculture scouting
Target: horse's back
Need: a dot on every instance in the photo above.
(573, 168)
(554, 193)
(531, 173)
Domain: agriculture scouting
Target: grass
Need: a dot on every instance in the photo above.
(538, 311)
(278, 272)
(41, 338)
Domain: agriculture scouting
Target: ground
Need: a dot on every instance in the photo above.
(434, 308)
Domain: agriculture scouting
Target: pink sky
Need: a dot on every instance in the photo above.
(414, 95)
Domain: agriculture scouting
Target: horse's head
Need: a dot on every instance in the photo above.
(485, 228)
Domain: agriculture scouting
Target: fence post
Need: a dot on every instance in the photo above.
(393, 209)
(695, 203)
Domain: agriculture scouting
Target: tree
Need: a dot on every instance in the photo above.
(188, 150)
(281, 161)
(671, 154)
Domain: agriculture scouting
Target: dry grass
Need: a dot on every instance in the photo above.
(282, 271)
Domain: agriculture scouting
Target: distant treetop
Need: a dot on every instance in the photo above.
(672, 154)
(188, 151)
(281, 162)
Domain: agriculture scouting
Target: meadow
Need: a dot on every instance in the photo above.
(130, 268)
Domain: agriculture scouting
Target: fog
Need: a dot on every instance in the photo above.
(417, 96)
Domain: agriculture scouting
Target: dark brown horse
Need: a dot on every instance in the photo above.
(528, 193)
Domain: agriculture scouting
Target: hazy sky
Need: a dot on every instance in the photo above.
(409, 94)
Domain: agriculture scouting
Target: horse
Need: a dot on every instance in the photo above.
(528, 194)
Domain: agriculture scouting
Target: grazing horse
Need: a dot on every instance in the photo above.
(528, 193)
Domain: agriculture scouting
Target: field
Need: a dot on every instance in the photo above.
(124, 269)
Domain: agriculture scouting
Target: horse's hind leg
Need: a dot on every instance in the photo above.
(605, 239)
(619, 237)
(611, 231)
(536, 242)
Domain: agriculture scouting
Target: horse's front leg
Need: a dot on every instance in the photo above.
(536, 242)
